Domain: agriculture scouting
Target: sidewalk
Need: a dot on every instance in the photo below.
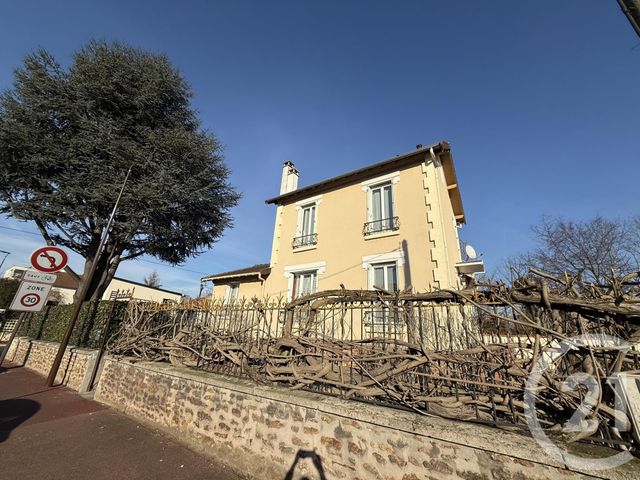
(54, 433)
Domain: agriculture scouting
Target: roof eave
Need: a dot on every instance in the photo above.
(352, 176)
(254, 273)
(453, 187)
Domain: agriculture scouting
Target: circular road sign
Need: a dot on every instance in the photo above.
(49, 259)
(30, 299)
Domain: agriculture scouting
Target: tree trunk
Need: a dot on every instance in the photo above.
(103, 274)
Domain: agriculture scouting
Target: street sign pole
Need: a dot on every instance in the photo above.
(82, 292)
(6, 254)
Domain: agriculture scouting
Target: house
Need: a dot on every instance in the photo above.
(392, 225)
(246, 282)
(65, 286)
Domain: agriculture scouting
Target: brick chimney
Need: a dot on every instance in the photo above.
(289, 178)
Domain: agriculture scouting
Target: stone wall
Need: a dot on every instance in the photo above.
(75, 368)
(265, 431)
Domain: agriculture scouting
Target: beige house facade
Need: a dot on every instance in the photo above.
(392, 225)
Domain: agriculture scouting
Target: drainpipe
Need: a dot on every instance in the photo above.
(261, 282)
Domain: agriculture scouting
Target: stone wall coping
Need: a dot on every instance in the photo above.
(490, 439)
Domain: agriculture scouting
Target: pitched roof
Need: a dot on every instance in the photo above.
(259, 269)
(141, 284)
(442, 148)
(64, 280)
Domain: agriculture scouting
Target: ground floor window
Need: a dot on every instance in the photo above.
(232, 292)
(384, 276)
(382, 320)
(304, 283)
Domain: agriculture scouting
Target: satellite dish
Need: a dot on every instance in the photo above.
(471, 252)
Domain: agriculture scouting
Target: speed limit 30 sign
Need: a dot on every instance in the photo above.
(30, 297)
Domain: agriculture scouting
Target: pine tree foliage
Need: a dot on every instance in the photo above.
(69, 135)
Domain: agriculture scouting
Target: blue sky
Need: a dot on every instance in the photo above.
(539, 102)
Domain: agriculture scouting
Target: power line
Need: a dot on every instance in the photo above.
(138, 259)
(18, 230)
(165, 265)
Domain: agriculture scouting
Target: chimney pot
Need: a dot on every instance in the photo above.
(290, 175)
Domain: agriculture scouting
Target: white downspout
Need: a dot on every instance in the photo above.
(261, 283)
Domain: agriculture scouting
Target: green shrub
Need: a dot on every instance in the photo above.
(51, 323)
(8, 289)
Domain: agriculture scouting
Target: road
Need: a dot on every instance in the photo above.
(54, 433)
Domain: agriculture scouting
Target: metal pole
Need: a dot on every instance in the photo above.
(13, 335)
(631, 8)
(103, 342)
(6, 254)
(84, 288)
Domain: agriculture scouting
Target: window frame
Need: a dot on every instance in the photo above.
(298, 280)
(302, 206)
(313, 207)
(384, 205)
(390, 227)
(233, 289)
(385, 265)
(291, 270)
(382, 320)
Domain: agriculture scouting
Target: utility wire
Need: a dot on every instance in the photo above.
(138, 259)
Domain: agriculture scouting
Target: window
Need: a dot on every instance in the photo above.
(382, 319)
(381, 202)
(384, 276)
(304, 283)
(302, 279)
(306, 232)
(308, 220)
(381, 209)
(232, 292)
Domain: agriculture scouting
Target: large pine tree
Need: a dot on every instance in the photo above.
(68, 137)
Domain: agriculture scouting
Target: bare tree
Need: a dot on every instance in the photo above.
(512, 268)
(633, 238)
(152, 280)
(591, 249)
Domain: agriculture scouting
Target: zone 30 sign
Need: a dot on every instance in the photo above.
(30, 297)
(36, 284)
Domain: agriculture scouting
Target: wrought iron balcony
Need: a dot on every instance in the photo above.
(384, 225)
(305, 240)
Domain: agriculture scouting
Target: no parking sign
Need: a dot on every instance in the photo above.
(49, 259)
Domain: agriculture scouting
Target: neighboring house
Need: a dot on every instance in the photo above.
(392, 225)
(65, 286)
(246, 282)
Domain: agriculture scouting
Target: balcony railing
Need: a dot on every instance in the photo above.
(384, 225)
(305, 240)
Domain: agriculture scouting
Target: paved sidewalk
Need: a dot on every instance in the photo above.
(54, 433)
